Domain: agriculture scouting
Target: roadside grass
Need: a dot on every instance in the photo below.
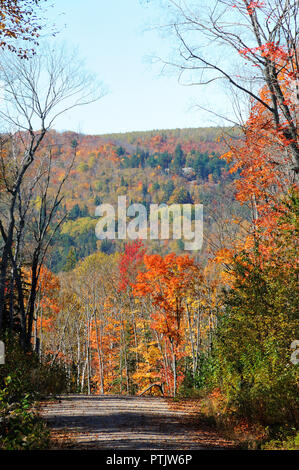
(211, 410)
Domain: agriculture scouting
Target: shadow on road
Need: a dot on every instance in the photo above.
(114, 422)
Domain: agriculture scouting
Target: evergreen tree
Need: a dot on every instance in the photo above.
(179, 158)
(70, 260)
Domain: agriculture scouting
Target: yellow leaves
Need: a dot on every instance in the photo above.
(38, 203)
(227, 156)
(192, 303)
(224, 258)
(148, 369)
(153, 357)
(224, 255)
(79, 226)
(82, 167)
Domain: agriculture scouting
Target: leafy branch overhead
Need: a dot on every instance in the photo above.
(21, 23)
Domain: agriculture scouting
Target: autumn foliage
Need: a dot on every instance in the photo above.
(19, 20)
(119, 317)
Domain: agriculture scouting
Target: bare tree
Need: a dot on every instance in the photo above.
(38, 208)
(34, 93)
(258, 38)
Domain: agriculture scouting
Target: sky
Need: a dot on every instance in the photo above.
(117, 44)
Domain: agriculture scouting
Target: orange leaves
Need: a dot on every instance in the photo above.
(168, 276)
(263, 160)
(49, 285)
(224, 256)
(18, 21)
(46, 323)
(269, 50)
(167, 281)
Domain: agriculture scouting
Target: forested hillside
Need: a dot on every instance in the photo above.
(88, 314)
(171, 166)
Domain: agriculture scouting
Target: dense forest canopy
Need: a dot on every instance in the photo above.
(155, 168)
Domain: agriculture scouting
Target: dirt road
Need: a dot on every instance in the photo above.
(119, 422)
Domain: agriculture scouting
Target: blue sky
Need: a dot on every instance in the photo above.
(114, 39)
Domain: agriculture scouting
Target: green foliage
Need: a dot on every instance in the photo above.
(79, 226)
(75, 240)
(168, 190)
(82, 167)
(200, 382)
(123, 182)
(28, 374)
(163, 160)
(179, 159)
(97, 201)
(202, 163)
(253, 344)
(107, 247)
(20, 427)
(120, 151)
(285, 439)
(198, 135)
(23, 379)
(70, 260)
(205, 164)
(77, 212)
(99, 186)
(181, 196)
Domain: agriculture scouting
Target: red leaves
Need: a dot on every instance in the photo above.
(253, 5)
(269, 50)
(129, 262)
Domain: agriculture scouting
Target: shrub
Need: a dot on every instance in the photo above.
(20, 427)
(23, 379)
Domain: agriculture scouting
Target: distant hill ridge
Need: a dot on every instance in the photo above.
(158, 166)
